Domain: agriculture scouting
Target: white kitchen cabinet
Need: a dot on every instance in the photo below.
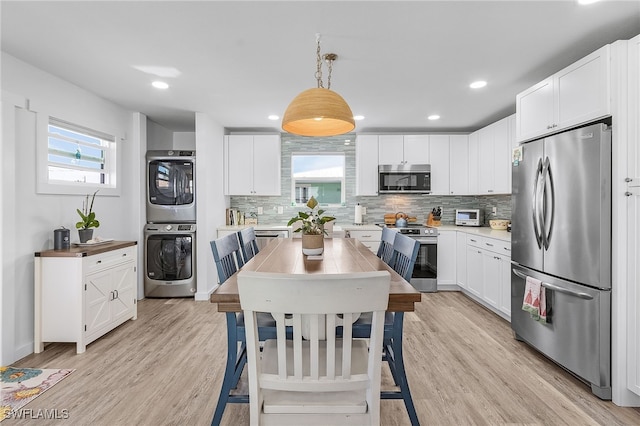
(439, 158)
(461, 259)
(403, 149)
(577, 94)
(369, 237)
(633, 215)
(447, 258)
(367, 165)
(474, 147)
(252, 165)
(459, 165)
(84, 292)
(474, 270)
(486, 160)
(494, 158)
(488, 272)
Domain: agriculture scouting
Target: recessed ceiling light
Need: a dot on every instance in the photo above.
(478, 84)
(358, 117)
(274, 117)
(434, 117)
(160, 85)
(587, 1)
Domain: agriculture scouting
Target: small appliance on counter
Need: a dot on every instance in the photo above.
(469, 217)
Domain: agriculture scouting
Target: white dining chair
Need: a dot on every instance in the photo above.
(314, 381)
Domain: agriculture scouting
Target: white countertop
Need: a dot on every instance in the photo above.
(484, 231)
(256, 227)
(354, 227)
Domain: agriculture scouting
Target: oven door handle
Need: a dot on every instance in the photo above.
(428, 240)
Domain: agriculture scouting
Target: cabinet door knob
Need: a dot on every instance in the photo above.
(628, 194)
(628, 179)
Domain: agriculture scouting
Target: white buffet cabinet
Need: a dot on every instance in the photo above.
(82, 293)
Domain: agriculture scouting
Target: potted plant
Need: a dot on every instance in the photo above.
(88, 219)
(311, 225)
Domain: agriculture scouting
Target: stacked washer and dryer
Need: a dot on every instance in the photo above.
(170, 232)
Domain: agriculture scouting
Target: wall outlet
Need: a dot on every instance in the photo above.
(260, 210)
(364, 210)
(494, 211)
(280, 210)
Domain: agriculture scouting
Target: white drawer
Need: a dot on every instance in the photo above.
(371, 245)
(474, 240)
(497, 246)
(366, 235)
(109, 259)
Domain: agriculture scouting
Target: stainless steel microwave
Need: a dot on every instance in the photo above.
(469, 217)
(414, 178)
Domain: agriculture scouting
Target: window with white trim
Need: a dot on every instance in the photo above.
(79, 156)
(321, 175)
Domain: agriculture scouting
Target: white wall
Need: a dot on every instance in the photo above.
(28, 218)
(184, 140)
(159, 137)
(211, 201)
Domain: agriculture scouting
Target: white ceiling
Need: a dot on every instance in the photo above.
(240, 61)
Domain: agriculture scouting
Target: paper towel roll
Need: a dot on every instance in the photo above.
(358, 214)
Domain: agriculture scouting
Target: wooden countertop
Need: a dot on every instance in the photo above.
(83, 251)
(341, 255)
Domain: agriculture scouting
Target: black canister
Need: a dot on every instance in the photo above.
(61, 239)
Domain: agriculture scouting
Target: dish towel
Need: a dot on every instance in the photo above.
(535, 301)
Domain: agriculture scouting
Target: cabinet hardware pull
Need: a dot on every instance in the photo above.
(628, 179)
(628, 194)
(124, 254)
(99, 261)
(490, 245)
(507, 249)
(472, 240)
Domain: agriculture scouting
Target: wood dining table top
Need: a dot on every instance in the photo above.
(341, 255)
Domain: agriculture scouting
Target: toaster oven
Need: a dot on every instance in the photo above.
(469, 217)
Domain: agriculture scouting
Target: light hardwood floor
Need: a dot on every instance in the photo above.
(464, 368)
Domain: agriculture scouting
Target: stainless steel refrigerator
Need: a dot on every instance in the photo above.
(561, 235)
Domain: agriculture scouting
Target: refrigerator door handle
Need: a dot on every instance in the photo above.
(547, 180)
(559, 289)
(535, 205)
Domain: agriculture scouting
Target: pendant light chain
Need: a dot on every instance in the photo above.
(330, 66)
(329, 58)
(319, 65)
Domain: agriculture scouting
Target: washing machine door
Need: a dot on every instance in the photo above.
(169, 257)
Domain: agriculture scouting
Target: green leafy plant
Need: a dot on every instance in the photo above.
(87, 214)
(311, 223)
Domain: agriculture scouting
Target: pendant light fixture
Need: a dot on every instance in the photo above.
(319, 111)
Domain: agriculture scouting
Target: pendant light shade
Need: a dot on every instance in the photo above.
(318, 112)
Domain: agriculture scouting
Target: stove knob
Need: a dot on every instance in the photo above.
(168, 227)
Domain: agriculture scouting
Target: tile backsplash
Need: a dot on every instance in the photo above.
(412, 204)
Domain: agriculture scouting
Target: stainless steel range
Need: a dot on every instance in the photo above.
(425, 272)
